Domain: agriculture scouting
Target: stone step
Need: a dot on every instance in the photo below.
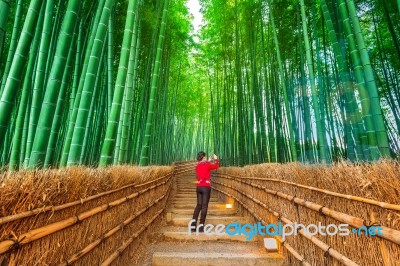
(184, 236)
(219, 253)
(211, 206)
(183, 220)
(209, 212)
(189, 190)
(189, 195)
(192, 200)
(215, 259)
(193, 191)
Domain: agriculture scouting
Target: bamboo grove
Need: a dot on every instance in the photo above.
(129, 82)
(309, 81)
(79, 80)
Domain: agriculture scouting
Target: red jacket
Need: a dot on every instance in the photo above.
(203, 172)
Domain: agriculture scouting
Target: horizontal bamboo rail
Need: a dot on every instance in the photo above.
(111, 232)
(38, 233)
(322, 245)
(185, 168)
(184, 162)
(44, 209)
(387, 232)
(381, 204)
(126, 243)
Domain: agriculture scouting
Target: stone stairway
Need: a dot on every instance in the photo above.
(175, 247)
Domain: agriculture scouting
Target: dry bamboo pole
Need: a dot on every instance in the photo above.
(126, 243)
(387, 232)
(185, 169)
(296, 254)
(184, 162)
(155, 180)
(111, 232)
(35, 234)
(322, 245)
(381, 204)
(44, 209)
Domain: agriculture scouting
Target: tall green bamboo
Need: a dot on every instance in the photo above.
(122, 152)
(56, 126)
(26, 87)
(353, 124)
(89, 82)
(320, 123)
(77, 96)
(38, 87)
(113, 120)
(12, 85)
(144, 154)
(46, 116)
(4, 11)
(13, 43)
(284, 89)
(375, 106)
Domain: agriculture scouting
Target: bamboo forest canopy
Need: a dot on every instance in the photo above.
(100, 82)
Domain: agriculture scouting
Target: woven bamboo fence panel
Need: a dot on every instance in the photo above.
(80, 215)
(361, 195)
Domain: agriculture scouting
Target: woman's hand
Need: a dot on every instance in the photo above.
(213, 157)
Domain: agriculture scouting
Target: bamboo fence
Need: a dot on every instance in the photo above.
(297, 194)
(88, 230)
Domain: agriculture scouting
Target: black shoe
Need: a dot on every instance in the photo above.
(193, 230)
(201, 229)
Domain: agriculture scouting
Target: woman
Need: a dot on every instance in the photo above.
(203, 189)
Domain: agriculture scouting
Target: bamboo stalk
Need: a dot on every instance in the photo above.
(384, 205)
(55, 227)
(335, 254)
(44, 209)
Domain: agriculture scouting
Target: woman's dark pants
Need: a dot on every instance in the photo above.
(203, 197)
